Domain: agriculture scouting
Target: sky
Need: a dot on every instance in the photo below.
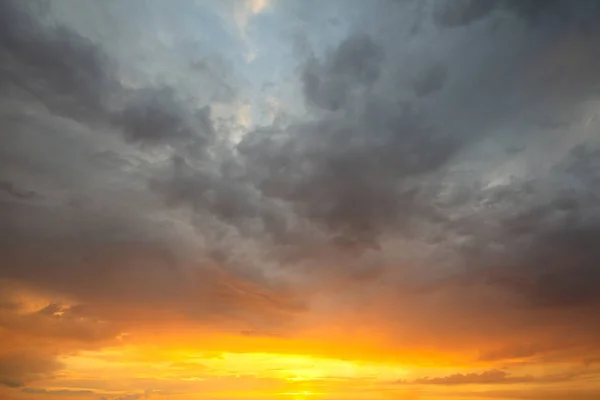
(299, 199)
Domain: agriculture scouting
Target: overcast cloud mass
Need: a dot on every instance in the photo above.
(408, 181)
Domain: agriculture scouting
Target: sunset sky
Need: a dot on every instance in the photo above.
(299, 199)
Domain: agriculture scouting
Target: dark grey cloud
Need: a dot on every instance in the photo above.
(85, 393)
(12, 190)
(345, 170)
(539, 242)
(558, 268)
(155, 116)
(64, 393)
(354, 65)
(75, 77)
(477, 165)
(78, 214)
(357, 168)
(19, 369)
(464, 12)
(494, 377)
(62, 69)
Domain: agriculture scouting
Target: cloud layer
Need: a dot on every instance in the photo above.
(434, 177)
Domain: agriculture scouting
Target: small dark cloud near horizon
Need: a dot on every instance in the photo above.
(494, 377)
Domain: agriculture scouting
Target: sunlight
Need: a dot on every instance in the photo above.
(304, 395)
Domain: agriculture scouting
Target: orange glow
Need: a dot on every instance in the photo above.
(184, 359)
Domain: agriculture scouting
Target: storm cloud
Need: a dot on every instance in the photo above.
(433, 150)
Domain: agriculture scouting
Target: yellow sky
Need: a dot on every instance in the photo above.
(170, 357)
